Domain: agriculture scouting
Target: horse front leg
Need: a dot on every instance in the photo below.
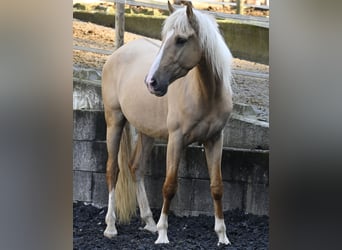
(174, 150)
(213, 153)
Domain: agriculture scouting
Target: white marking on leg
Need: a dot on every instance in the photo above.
(111, 231)
(220, 229)
(156, 61)
(162, 229)
(145, 211)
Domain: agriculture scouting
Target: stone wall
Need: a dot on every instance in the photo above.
(244, 172)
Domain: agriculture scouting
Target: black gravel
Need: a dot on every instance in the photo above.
(245, 231)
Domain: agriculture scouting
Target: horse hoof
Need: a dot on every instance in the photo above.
(162, 237)
(161, 241)
(224, 241)
(110, 233)
(152, 229)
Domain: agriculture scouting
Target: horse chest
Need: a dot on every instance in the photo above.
(205, 128)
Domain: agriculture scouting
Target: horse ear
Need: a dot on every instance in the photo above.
(171, 9)
(190, 15)
(189, 11)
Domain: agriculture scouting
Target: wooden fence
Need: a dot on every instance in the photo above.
(247, 35)
(260, 4)
(120, 15)
(162, 5)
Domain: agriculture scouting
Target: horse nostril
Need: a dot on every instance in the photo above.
(153, 82)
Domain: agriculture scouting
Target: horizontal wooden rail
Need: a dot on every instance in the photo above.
(258, 21)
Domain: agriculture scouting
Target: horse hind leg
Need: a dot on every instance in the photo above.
(115, 123)
(141, 154)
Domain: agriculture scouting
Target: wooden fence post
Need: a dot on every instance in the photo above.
(239, 7)
(119, 23)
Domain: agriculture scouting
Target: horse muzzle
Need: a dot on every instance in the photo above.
(156, 88)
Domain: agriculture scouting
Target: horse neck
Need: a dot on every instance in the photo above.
(209, 84)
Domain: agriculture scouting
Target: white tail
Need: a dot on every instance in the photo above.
(125, 189)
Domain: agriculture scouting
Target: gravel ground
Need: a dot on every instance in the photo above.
(245, 231)
(247, 90)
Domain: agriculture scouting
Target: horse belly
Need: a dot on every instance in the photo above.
(147, 119)
(130, 64)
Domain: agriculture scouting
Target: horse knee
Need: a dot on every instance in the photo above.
(217, 191)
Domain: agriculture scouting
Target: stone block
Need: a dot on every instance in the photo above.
(202, 201)
(193, 197)
(156, 165)
(153, 187)
(100, 190)
(194, 164)
(87, 95)
(250, 166)
(183, 199)
(89, 125)
(233, 193)
(82, 182)
(244, 109)
(89, 156)
(257, 199)
(237, 164)
(246, 133)
(87, 73)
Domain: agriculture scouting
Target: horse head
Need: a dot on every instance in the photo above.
(179, 53)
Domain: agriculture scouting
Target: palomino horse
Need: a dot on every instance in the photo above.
(187, 98)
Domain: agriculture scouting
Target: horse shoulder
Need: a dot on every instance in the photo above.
(197, 119)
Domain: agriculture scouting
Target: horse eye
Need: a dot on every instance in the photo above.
(181, 40)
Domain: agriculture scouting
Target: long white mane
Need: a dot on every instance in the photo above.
(211, 41)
